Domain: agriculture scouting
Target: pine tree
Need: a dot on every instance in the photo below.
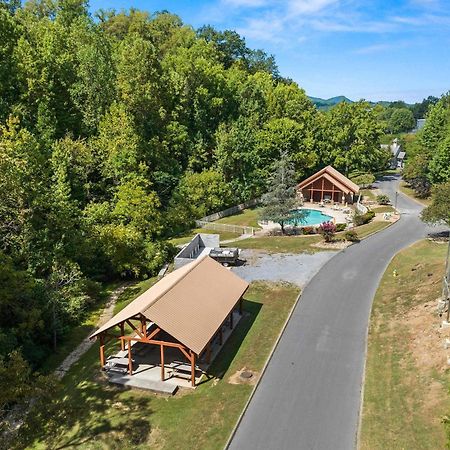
(281, 196)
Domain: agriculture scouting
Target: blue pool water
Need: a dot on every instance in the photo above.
(308, 217)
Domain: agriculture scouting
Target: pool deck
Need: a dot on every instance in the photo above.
(340, 214)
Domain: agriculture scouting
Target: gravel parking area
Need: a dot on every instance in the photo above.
(293, 268)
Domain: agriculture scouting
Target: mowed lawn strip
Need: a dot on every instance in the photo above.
(303, 243)
(397, 412)
(407, 190)
(246, 218)
(188, 235)
(369, 228)
(281, 244)
(91, 414)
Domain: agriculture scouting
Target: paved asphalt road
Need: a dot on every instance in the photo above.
(310, 394)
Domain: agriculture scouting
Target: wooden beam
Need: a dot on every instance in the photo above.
(134, 328)
(185, 353)
(130, 362)
(220, 335)
(102, 351)
(154, 341)
(231, 319)
(162, 362)
(122, 333)
(192, 368)
(154, 333)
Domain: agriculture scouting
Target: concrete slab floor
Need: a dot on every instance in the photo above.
(147, 368)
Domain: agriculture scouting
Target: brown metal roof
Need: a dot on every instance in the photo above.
(190, 303)
(336, 177)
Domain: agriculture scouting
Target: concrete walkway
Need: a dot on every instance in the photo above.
(310, 395)
(86, 344)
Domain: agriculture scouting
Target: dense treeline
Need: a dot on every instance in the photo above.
(117, 131)
(429, 154)
(428, 166)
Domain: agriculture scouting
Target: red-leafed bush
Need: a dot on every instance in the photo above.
(327, 230)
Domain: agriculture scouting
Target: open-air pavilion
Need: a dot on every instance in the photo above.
(328, 184)
(175, 325)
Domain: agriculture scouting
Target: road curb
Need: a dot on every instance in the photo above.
(275, 345)
(241, 416)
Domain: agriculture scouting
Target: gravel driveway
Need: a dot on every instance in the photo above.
(294, 268)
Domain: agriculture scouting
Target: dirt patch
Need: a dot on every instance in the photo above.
(427, 337)
(237, 379)
(386, 217)
(336, 245)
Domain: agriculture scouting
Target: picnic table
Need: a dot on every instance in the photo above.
(115, 364)
(181, 369)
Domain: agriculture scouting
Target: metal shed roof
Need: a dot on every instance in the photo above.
(190, 303)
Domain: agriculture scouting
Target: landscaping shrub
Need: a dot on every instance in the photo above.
(351, 236)
(361, 219)
(327, 230)
(341, 226)
(309, 230)
(383, 199)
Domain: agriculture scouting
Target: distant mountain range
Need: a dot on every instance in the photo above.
(324, 104)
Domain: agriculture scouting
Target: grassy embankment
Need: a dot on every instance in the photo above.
(406, 391)
(405, 189)
(91, 414)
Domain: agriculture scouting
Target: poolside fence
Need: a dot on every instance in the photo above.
(238, 229)
(208, 221)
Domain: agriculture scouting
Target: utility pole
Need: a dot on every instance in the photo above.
(396, 197)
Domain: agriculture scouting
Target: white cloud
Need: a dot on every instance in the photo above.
(246, 3)
(264, 29)
(309, 6)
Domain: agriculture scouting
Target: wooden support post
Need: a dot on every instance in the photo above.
(220, 335)
(192, 368)
(144, 328)
(130, 362)
(122, 333)
(162, 363)
(102, 351)
(240, 306)
(231, 319)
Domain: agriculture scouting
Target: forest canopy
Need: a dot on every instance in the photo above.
(118, 130)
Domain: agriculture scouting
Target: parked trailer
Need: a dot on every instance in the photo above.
(225, 256)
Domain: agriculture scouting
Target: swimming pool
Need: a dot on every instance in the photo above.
(307, 217)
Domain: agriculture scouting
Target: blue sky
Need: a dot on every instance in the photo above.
(374, 49)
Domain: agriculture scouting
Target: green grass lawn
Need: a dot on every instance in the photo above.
(281, 244)
(383, 209)
(88, 413)
(398, 410)
(188, 235)
(246, 218)
(302, 244)
(405, 189)
(372, 227)
(368, 194)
